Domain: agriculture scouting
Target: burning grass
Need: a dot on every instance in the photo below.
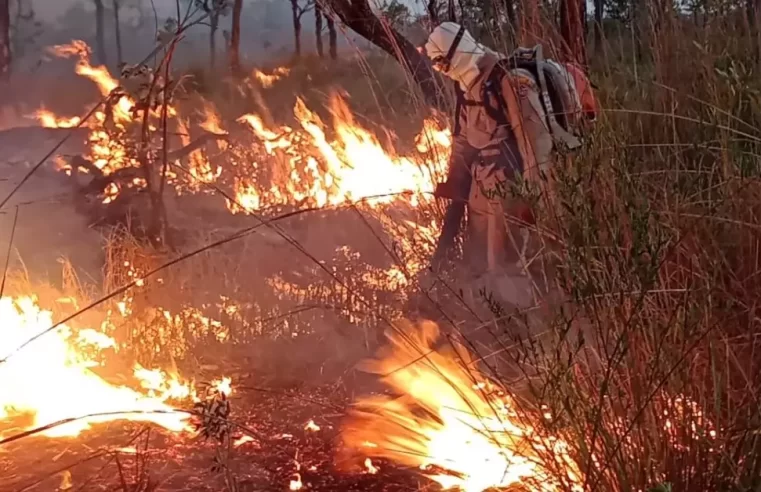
(66, 380)
(642, 374)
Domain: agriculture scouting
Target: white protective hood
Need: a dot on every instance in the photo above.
(465, 62)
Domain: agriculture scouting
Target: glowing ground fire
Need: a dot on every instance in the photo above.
(456, 427)
(53, 378)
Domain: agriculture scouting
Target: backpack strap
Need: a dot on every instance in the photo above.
(494, 85)
(459, 100)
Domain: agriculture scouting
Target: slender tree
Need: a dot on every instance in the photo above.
(215, 10)
(332, 37)
(297, 12)
(118, 31)
(234, 46)
(100, 32)
(432, 7)
(509, 6)
(599, 13)
(572, 30)
(5, 39)
(318, 29)
(753, 9)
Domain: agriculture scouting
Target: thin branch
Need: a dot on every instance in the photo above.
(50, 154)
(8, 254)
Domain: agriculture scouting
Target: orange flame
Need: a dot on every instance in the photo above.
(200, 168)
(467, 437)
(48, 119)
(52, 379)
(268, 80)
(312, 165)
(354, 167)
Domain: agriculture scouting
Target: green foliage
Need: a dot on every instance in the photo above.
(396, 13)
(661, 487)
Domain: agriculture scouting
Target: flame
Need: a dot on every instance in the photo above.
(107, 150)
(48, 119)
(268, 80)
(353, 167)
(66, 482)
(200, 168)
(223, 386)
(311, 426)
(212, 122)
(296, 483)
(470, 436)
(312, 165)
(100, 75)
(371, 469)
(53, 378)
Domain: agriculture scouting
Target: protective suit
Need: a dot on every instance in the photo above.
(497, 144)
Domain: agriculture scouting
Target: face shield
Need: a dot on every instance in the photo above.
(443, 63)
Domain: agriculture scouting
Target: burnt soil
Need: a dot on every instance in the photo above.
(104, 458)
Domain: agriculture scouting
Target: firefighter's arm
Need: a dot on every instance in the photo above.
(457, 185)
(457, 189)
(516, 119)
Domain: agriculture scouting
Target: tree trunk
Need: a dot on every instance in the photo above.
(753, 8)
(510, 11)
(100, 32)
(296, 28)
(433, 12)
(583, 17)
(5, 39)
(332, 38)
(318, 29)
(234, 47)
(572, 30)
(599, 11)
(358, 16)
(118, 33)
(213, 26)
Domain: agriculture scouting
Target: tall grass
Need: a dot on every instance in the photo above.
(649, 365)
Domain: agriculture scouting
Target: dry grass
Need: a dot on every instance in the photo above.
(649, 363)
(657, 247)
(657, 223)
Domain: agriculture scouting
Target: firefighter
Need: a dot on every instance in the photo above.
(500, 139)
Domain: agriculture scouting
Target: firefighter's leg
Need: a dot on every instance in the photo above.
(489, 242)
(486, 225)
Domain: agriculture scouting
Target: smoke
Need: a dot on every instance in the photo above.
(266, 31)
